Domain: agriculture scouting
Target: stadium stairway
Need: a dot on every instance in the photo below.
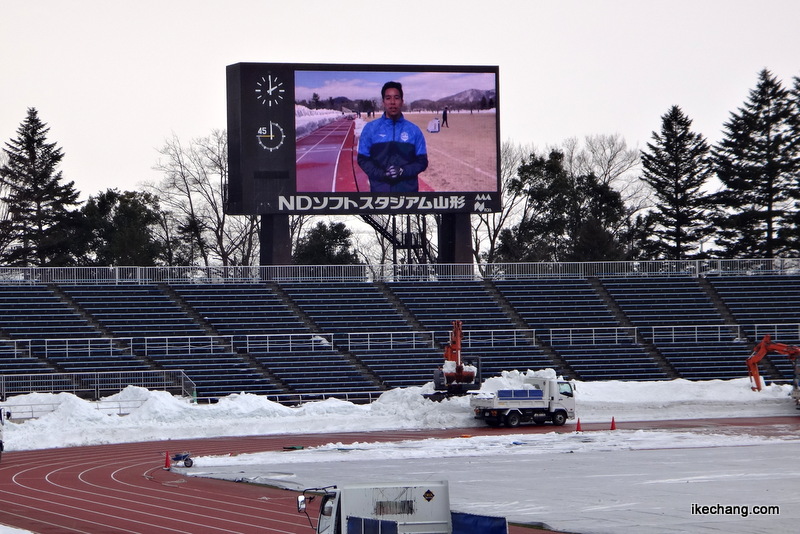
(490, 334)
(679, 318)
(367, 325)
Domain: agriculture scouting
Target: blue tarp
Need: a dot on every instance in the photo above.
(359, 525)
(478, 524)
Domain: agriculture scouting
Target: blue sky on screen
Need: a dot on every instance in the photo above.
(367, 84)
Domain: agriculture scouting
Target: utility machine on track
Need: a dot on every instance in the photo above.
(767, 346)
(455, 377)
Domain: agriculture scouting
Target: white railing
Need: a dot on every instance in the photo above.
(394, 273)
(170, 345)
(96, 383)
(368, 341)
(266, 343)
(70, 346)
(593, 336)
(32, 411)
(694, 333)
(789, 332)
(495, 338)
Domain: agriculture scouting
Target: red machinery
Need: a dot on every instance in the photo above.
(456, 373)
(764, 347)
(454, 377)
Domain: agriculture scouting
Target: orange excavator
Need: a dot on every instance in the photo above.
(454, 377)
(767, 346)
(456, 373)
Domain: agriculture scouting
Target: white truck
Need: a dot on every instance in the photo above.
(538, 400)
(408, 508)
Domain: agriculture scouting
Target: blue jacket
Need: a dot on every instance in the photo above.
(385, 142)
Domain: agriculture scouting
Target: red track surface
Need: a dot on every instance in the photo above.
(125, 488)
(327, 161)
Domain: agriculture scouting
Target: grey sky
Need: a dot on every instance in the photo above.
(114, 79)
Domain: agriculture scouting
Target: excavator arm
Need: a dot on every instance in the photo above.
(762, 348)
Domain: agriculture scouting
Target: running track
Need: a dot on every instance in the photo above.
(125, 488)
(327, 161)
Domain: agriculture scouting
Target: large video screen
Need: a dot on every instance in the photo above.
(345, 139)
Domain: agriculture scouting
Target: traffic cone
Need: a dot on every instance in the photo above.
(613, 424)
(578, 426)
(167, 462)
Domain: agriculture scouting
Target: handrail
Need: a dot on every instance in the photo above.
(93, 383)
(395, 273)
(695, 333)
(592, 335)
(778, 331)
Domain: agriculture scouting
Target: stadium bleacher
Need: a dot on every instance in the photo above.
(295, 338)
(680, 319)
(571, 316)
(365, 323)
(491, 334)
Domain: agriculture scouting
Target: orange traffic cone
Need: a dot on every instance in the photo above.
(578, 426)
(613, 424)
(167, 462)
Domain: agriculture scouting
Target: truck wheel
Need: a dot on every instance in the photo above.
(512, 420)
(559, 418)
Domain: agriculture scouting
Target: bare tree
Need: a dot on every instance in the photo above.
(195, 177)
(191, 191)
(486, 228)
(608, 157)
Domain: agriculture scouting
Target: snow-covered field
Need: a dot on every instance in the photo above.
(64, 420)
(601, 481)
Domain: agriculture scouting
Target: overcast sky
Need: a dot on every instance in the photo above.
(114, 80)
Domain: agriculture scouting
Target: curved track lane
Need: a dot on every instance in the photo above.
(125, 488)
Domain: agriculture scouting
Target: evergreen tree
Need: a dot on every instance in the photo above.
(325, 245)
(118, 229)
(40, 223)
(562, 214)
(677, 167)
(792, 230)
(757, 164)
(541, 231)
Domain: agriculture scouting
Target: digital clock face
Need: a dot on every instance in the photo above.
(270, 90)
(271, 137)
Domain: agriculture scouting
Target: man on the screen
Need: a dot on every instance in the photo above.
(392, 150)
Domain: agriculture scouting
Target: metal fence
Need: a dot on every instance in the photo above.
(392, 272)
(96, 384)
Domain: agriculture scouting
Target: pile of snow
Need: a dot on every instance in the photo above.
(137, 414)
(515, 380)
(307, 120)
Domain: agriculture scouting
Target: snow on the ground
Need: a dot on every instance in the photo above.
(64, 420)
(307, 120)
(618, 491)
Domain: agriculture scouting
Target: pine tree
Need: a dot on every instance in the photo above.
(677, 167)
(118, 229)
(326, 245)
(757, 164)
(792, 229)
(40, 221)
